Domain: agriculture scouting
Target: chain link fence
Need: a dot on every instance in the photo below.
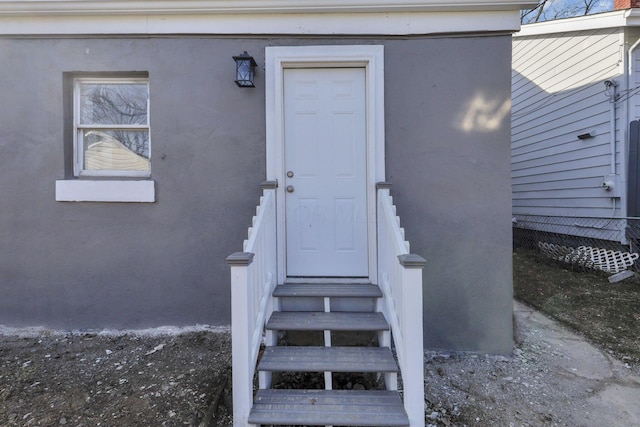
(607, 244)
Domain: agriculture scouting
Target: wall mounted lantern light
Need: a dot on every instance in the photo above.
(245, 69)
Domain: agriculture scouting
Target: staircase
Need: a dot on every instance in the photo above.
(328, 406)
(390, 309)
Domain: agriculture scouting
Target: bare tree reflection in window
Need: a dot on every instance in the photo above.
(108, 104)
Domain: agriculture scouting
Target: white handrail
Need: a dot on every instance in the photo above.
(400, 280)
(253, 279)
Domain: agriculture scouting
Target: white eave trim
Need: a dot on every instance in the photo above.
(82, 7)
(227, 17)
(616, 19)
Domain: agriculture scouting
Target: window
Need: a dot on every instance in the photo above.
(108, 126)
(111, 127)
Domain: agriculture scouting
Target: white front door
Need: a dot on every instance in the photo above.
(325, 163)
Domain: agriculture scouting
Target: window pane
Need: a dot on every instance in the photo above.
(119, 150)
(113, 103)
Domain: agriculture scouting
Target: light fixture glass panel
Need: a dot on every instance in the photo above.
(245, 70)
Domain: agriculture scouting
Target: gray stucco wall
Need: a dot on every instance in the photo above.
(95, 265)
(448, 156)
(91, 265)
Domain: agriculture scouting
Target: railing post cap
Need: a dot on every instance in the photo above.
(412, 261)
(239, 259)
(269, 185)
(383, 185)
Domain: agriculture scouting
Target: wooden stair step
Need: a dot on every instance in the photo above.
(321, 321)
(348, 290)
(335, 359)
(328, 407)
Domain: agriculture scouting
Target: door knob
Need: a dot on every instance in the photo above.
(290, 189)
(290, 174)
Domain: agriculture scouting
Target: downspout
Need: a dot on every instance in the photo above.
(628, 112)
(630, 67)
(623, 206)
(632, 49)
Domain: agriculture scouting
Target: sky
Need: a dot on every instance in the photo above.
(556, 9)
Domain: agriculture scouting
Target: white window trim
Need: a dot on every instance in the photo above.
(371, 57)
(78, 151)
(80, 190)
(118, 186)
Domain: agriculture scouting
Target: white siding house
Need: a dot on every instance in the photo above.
(575, 87)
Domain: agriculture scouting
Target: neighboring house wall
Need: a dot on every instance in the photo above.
(558, 94)
(633, 35)
(632, 140)
(559, 91)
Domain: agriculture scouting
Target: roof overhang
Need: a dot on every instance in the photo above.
(83, 7)
(33, 17)
(616, 19)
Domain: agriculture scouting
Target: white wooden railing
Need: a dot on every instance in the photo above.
(253, 279)
(400, 279)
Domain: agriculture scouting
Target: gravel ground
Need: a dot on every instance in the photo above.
(553, 378)
(180, 378)
(144, 378)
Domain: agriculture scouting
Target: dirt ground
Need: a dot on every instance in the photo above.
(109, 379)
(181, 377)
(608, 314)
